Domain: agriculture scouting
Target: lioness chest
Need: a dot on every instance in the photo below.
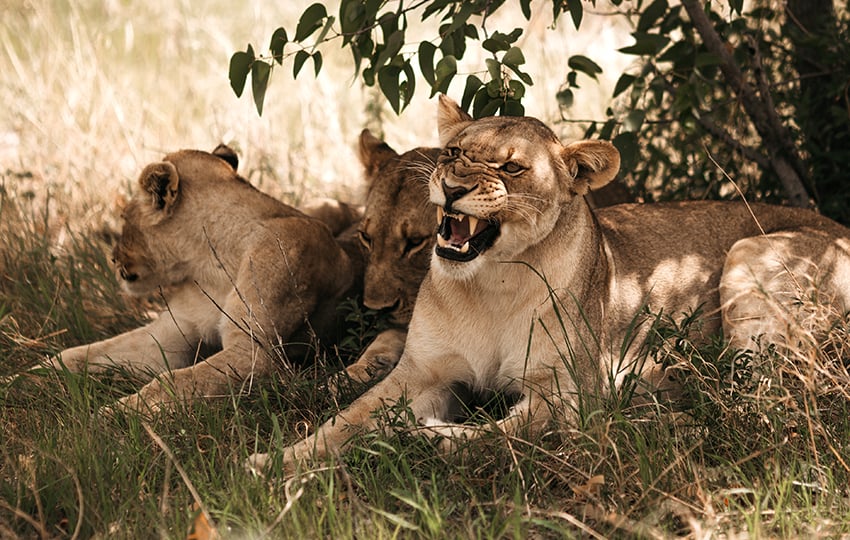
(492, 332)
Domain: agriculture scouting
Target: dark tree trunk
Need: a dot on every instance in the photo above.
(811, 26)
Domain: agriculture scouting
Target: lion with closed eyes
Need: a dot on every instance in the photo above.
(533, 293)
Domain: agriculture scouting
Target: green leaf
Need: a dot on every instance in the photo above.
(310, 21)
(494, 44)
(585, 65)
(494, 69)
(240, 65)
(646, 44)
(426, 61)
(300, 57)
(512, 107)
(317, 62)
(388, 81)
(482, 97)
(525, 6)
(490, 107)
(565, 98)
(500, 41)
(623, 83)
(513, 57)
(445, 71)
(473, 83)
(627, 144)
(277, 43)
(634, 120)
(607, 129)
(576, 11)
(260, 72)
(325, 29)
(651, 14)
(736, 5)
(516, 90)
(353, 16)
(391, 48)
(408, 86)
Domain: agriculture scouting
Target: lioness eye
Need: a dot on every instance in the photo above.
(512, 168)
(364, 239)
(413, 244)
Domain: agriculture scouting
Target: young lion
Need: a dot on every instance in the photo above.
(397, 230)
(532, 293)
(239, 271)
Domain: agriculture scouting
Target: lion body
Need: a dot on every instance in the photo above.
(532, 293)
(240, 273)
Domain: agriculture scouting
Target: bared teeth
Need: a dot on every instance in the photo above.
(464, 248)
(440, 214)
(473, 223)
(442, 242)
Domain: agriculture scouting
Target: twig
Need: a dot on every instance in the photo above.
(182, 472)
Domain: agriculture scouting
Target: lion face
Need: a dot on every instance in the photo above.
(397, 227)
(500, 184)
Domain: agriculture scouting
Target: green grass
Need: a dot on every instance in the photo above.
(94, 91)
(748, 459)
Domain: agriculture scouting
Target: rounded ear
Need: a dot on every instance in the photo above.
(451, 119)
(373, 153)
(227, 154)
(161, 181)
(592, 164)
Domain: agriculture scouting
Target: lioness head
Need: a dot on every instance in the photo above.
(156, 244)
(398, 224)
(501, 182)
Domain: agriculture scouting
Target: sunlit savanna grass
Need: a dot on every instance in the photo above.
(92, 91)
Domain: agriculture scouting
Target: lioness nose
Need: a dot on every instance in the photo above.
(453, 193)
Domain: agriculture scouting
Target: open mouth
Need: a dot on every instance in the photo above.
(462, 238)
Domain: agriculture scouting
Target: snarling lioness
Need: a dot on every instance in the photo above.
(241, 273)
(531, 293)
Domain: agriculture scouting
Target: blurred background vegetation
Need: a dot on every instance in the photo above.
(720, 99)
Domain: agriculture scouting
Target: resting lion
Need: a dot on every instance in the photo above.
(239, 271)
(533, 294)
(397, 231)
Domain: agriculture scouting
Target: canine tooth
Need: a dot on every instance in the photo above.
(440, 214)
(442, 242)
(473, 223)
(464, 248)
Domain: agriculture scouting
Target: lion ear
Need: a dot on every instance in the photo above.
(373, 153)
(161, 181)
(592, 164)
(451, 119)
(227, 154)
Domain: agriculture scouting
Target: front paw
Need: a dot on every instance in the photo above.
(262, 465)
(256, 464)
(149, 401)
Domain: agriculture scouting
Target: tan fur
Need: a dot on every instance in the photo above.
(545, 312)
(397, 230)
(239, 271)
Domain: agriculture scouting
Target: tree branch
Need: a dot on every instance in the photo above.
(778, 143)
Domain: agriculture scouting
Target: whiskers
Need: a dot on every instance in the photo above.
(422, 167)
(524, 205)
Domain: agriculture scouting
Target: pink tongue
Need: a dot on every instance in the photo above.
(460, 231)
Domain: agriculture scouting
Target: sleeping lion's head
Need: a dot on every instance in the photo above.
(500, 184)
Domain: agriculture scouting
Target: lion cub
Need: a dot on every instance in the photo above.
(239, 271)
(532, 293)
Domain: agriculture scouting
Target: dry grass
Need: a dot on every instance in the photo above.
(94, 90)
